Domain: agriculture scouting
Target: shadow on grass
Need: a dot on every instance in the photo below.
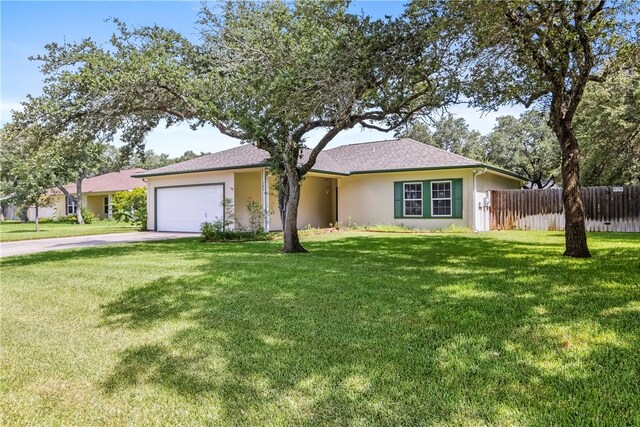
(392, 330)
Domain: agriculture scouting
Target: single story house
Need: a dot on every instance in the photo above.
(96, 193)
(385, 182)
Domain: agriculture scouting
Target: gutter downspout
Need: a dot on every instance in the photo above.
(476, 172)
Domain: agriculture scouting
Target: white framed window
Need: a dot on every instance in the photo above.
(440, 198)
(106, 205)
(412, 199)
(71, 206)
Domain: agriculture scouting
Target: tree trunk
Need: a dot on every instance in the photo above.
(37, 221)
(290, 224)
(283, 197)
(575, 234)
(79, 200)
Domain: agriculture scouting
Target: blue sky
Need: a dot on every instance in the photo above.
(26, 26)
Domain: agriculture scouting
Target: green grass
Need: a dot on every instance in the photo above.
(11, 231)
(366, 329)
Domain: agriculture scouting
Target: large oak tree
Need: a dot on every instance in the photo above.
(545, 52)
(269, 74)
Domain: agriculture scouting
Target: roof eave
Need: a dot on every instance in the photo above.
(330, 172)
(262, 165)
(226, 168)
(478, 165)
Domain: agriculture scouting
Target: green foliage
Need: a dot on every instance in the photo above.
(525, 51)
(87, 215)
(448, 133)
(131, 206)
(256, 217)
(608, 127)
(149, 159)
(217, 231)
(228, 229)
(70, 219)
(25, 171)
(211, 231)
(279, 72)
(542, 52)
(525, 145)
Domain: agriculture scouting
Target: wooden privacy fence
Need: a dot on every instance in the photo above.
(606, 208)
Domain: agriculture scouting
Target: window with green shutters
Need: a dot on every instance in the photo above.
(440, 198)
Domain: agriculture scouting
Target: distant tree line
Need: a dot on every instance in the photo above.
(116, 159)
(607, 124)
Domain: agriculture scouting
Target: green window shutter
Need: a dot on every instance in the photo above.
(456, 198)
(426, 199)
(397, 199)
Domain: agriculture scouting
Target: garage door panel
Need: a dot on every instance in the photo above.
(186, 208)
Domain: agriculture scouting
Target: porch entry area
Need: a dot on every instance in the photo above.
(318, 199)
(100, 205)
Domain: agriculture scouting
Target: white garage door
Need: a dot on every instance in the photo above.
(185, 208)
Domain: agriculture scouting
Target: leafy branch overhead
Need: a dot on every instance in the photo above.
(266, 73)
(541, 52)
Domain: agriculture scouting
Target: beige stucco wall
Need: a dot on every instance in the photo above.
(61, 206)
(369, 198)
(316, 206)
(248, 186)
(93, 201)
(315, 202)
(274, 214)
(365, 198)
(222, 177)
(490, 181)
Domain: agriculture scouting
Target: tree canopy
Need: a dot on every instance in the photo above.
(525, 145)
(608, 127)
(538, 52)
(24, 173)
(266, 73)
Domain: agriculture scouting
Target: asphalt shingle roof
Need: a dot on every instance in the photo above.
(388, 155)
(114, 181)
(394, 155)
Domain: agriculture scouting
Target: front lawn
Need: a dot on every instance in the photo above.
(366, 329)
(12, 230)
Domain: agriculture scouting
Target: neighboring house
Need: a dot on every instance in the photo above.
(96, 193)
(386, 182)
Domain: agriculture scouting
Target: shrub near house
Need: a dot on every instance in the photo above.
(131, 206)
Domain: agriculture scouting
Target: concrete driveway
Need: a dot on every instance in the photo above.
(24, 247)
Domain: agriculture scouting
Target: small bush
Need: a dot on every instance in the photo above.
(87, 216)
(217, 231)
(131, 207)
(71, 219)
(210, 231)
(256, 217)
